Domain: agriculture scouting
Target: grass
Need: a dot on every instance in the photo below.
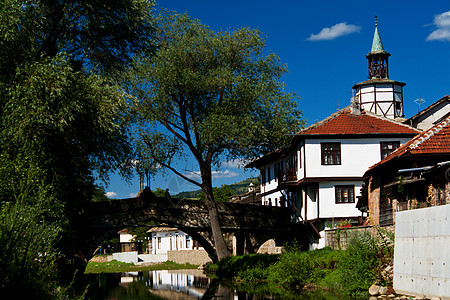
(118, 267)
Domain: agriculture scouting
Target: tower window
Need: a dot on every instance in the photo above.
(331, 153)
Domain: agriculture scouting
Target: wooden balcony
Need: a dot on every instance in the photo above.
(288, 175)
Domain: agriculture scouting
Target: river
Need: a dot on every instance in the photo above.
(180, 285)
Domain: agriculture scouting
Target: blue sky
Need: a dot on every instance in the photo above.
(323, 44)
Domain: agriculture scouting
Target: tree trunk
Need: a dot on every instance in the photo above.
(219, 240)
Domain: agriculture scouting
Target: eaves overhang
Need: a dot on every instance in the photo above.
(378, 80)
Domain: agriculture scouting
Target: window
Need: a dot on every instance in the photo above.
(331, 153)
(263, 176)
(159, 242)
(268, 174)
(188, 241)
(276, 171)
(388, 147)
(345, 193)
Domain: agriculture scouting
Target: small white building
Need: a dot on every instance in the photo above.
(166, 239)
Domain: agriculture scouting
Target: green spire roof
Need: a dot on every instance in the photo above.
(377, 45)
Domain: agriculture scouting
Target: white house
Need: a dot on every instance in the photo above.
(165, 239)
(320, 175)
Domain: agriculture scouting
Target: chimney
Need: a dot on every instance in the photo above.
(355, 108)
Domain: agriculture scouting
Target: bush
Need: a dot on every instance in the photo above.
(232, 265)
(358, 263)
(254, 274)
(28, 256)
(293, 269)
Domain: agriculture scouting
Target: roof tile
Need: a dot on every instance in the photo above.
(344, 122)
(435, 140)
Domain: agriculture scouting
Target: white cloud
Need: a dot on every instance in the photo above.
(111, 195)
(235, 163)
(224, 174)
(442, 32)
(215, 174)
(335, 31)
(132, 195)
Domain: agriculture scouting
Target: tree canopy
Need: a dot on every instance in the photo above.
(59, 107)
(63, 117)
(210, 95)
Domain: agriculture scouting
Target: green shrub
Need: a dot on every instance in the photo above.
(28, 256)
(232, 265)
(293, 269)
(254, 274)
(357, 264)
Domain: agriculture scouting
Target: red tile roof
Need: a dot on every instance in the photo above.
(344, 122)
(435, 140)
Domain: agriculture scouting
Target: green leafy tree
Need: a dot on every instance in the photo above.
(61, 111)
(220, 194)
(213, 96)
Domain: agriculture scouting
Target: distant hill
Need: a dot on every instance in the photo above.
(238, 188)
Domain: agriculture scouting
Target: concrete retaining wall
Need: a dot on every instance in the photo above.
(152, 258)
(194, 257)
(127, 257)
(422, 252)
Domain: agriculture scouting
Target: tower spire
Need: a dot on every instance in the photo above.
(379, 94)
(377, 44)
(378, 57)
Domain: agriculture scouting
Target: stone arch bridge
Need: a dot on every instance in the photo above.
(245, 227)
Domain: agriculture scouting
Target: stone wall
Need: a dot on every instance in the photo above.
(337, 238)
(193, 257)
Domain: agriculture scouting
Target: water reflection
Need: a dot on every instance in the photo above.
(184, 284)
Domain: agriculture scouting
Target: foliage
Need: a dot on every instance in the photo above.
(231, 266)
(238, 188)
(159, 192)
(359, 266)
(348, 273)
(62, 119)
(212, 95)
(28, 259)
(292, 270)
(117, 267)
(213, 92)
(220, 194)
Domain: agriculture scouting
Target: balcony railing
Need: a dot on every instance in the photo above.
(287, 175)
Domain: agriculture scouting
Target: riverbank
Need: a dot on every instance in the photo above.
(349, 272)
(101, 265)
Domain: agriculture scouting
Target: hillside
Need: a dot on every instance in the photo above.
(238, 188)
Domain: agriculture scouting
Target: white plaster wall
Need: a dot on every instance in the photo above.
(357, 155)
(311, 203)
(422, 252)
(272, 196)
(426, 121)
(125, 237)
(170, 240)
(329, 208)
(383, 92)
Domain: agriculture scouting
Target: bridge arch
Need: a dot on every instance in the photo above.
(250, 225)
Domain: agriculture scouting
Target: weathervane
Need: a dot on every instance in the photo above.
(376, 21)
